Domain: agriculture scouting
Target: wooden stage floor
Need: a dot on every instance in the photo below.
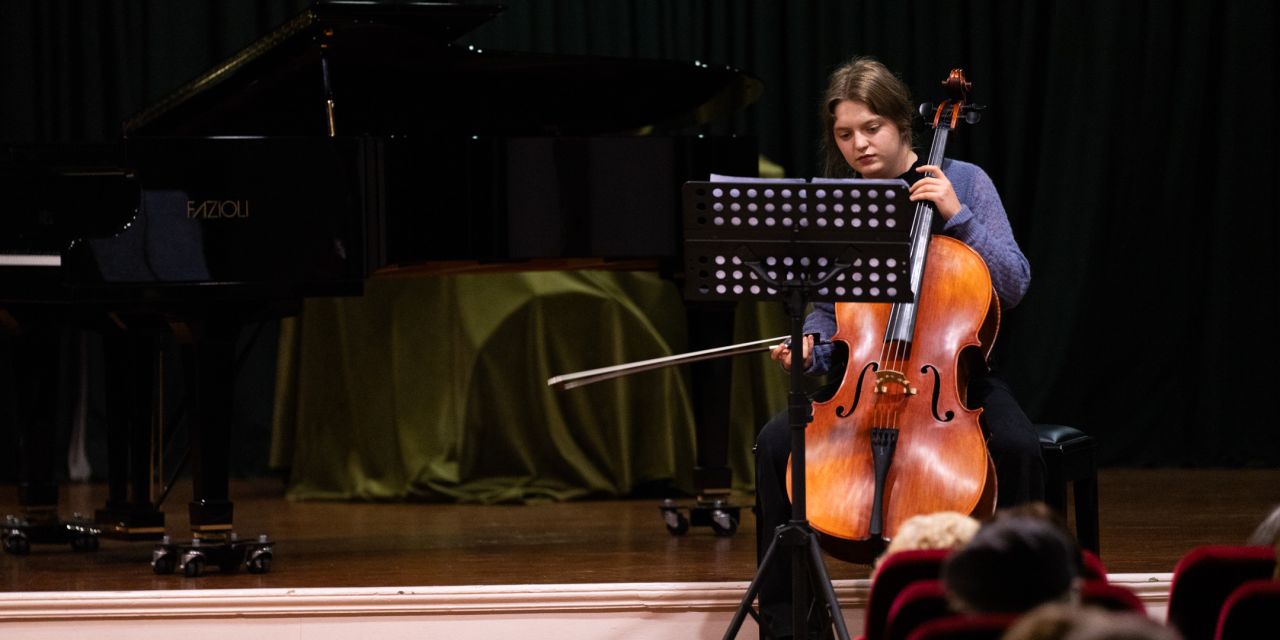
(1150, 518)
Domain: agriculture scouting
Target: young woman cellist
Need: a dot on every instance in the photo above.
(867, 115)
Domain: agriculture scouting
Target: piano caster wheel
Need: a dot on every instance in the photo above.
(164, 557)
(717, 514)
(192, 564)
(723, 523)
(228, 556)
(163, 563)
(721, 516)
(259, 561)
(17, 544)
(677, 523)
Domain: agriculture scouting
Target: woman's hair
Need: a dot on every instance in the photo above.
(868, 81)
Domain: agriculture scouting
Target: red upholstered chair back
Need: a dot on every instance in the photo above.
(1250, 611)
(1205, 577)
(1094, 570)
(896, 572)
(987, 626)
(1111, 597)
(919, 603)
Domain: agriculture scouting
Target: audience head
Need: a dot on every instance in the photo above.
(1121, 625)
(1045, 512)
(1059, 621)
(1268, 534)
(1011, 565)
(1033, 510)
(941, 530)
(1051, 621)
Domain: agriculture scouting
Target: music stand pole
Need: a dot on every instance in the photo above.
(804, 554)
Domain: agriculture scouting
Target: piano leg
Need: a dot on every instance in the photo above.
(35, 364)
(210, 381)
(36, 350)
(710, 325)
(131, 394)
(209, 365)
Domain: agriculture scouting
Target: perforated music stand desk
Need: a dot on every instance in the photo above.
(845, 240)
(752, 239)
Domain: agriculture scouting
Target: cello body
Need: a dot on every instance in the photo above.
(940, 460)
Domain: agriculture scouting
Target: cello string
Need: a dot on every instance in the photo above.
(894, 348)
(897, 310)
(921, 217)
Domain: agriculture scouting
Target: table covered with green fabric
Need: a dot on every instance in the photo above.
(434, 388)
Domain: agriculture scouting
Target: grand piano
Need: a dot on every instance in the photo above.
(355, 138)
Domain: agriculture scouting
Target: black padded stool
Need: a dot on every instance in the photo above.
(1070, 456)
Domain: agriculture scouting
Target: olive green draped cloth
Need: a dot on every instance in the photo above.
(434, 388)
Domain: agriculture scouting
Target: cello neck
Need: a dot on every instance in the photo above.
(945, 118)
(904, 313)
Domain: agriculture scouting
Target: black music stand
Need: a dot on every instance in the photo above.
(753, 239)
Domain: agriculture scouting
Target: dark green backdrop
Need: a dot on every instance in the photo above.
(1133, 143)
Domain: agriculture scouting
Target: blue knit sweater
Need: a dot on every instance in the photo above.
(981, 223)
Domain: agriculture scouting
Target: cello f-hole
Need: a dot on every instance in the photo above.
(857, 391)
(937, 387)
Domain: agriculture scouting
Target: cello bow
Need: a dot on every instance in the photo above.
(582, 378)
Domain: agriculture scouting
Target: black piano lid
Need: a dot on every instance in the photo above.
(393, 70)
(56, 193)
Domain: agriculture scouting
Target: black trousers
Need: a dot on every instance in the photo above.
(1012, 441)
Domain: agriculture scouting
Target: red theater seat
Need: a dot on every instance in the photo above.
(1205, 577)
(1094, 570)
(1111, 597)
(919, 603)
(897, 571)
(1250, 611)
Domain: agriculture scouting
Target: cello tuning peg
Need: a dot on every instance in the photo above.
(926, 109)
(973, 113)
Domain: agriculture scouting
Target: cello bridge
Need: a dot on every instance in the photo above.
(886, 377)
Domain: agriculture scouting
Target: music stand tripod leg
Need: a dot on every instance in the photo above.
(806, 559)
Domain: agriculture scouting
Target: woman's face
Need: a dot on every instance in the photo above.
(870, 143)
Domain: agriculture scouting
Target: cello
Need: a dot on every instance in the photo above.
(897, 439)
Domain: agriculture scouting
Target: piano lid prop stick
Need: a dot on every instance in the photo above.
(328, 97)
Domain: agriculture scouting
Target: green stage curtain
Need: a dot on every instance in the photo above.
(435, 388)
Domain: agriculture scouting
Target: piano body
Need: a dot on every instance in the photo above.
(355, 138)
